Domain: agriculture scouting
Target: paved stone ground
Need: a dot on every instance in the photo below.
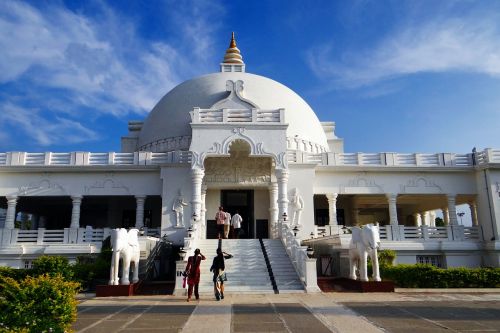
(324, 312)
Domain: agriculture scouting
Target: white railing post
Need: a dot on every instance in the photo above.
(39, 238)
(388, 232)
(13, 235)
(180, 265)
(310, 275)
(458, 232)
(449, 232)
(425, 232)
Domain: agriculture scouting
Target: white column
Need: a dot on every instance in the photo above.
(75, 211)
(424, 219)
(332, 208)
(282, 177)
(473, 213)
(393, 211)
(139, 211)
(11, 212)
(432, 218)
(203, 214)
(446, 215)
(273, 209)
(452, 209)
(197, 179)
(418, 221)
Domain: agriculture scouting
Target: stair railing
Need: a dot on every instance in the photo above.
(303, 264)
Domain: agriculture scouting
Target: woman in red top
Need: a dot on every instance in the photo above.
(193, 273)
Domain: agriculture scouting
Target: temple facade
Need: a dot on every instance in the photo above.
(252, 145)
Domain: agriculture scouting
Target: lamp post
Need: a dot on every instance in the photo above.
(295, 231)
(461, 214)
(141, 231)
(312, 235)
(190, 232)
(310, 251)
(182, 253)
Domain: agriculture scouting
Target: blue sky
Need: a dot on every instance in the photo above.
(404, 76)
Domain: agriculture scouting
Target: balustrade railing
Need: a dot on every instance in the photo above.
(237, 116)
(430, 233)
(294, 156)
(395, 159)
(304, 266)
(42, 236)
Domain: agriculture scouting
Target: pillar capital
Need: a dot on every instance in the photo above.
(11, 198)
(332, 196)
(391, 196)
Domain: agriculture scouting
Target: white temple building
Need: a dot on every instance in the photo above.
(248, 143)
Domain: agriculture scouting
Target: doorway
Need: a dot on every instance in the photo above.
(241, 201)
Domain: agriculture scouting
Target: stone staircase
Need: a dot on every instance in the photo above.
(247, 271)
(284, 273)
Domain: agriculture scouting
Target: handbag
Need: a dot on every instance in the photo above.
(222, 276)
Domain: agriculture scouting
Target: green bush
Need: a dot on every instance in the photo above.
(52, 265)
(386, 257)
(91, 267)
(428, 276)
(16, 274)
(38, 304)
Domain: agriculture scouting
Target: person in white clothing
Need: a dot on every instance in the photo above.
(236, 224)
(227, 225)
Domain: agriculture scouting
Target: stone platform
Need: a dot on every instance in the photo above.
(119, 290)
(349, 285)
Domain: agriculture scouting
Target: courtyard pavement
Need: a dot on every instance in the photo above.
(314, 313)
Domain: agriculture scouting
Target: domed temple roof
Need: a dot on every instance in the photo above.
(170, 118)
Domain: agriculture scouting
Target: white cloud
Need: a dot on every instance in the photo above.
(43, 131)
(100, 61)
(468, 44)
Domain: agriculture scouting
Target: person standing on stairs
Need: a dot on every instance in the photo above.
(227, 225)
(193, 273)
(218, 267)
(236, 224)
(220, 218)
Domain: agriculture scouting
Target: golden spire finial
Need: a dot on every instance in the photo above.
(233, 55)
(232, 44)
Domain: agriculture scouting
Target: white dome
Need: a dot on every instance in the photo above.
(170, 117)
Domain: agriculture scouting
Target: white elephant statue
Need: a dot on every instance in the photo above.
(365, 242)
(125, 247)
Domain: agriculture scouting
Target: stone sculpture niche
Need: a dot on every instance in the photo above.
(365, 242)
(125, 246)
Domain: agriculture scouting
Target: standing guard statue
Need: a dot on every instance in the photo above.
(297, 205)
(178, 208)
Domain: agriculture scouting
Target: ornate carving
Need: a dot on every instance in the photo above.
(43, 187)
(361, 184)
(108, 183)
(421, 184)
(242, 170)
(235, 99)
